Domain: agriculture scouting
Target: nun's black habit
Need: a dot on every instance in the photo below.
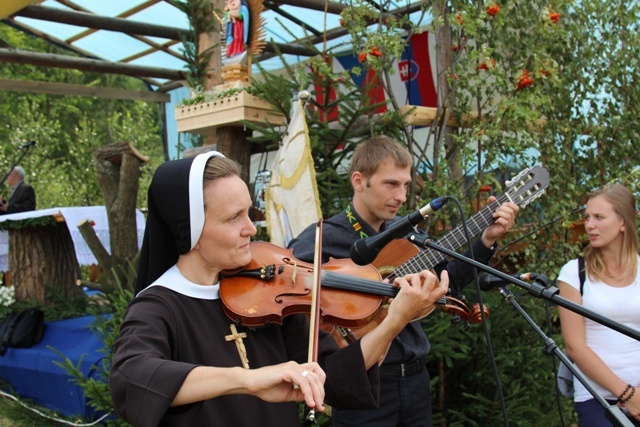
(175, 325)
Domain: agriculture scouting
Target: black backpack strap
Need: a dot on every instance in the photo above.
(581, 273)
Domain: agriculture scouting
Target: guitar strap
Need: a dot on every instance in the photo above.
(354, 223)
(346, 333)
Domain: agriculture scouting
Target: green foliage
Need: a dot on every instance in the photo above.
(60, 306)
(467, 391)
(535, 84)
(67, 130)
(107, 327)
(26, 223)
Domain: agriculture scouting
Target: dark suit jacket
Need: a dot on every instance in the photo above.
(23, 199)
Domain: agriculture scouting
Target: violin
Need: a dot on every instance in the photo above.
(275, 284)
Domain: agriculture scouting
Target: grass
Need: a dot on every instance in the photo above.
(13, 414)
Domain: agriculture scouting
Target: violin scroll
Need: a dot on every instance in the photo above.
(475, 315)
(460, 311)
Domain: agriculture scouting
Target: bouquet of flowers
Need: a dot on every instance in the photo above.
(7, 298)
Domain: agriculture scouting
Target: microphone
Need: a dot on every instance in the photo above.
(364, 251)
(28, 144)
(489, 281)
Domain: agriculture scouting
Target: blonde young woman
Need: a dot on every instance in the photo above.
(612, 289)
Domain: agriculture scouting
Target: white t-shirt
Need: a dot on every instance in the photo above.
(618, 351)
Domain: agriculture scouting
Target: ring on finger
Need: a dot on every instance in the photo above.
(305, 374)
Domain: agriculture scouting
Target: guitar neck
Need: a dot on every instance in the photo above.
(429, 258)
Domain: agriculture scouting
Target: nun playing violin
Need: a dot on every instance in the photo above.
(180, 361)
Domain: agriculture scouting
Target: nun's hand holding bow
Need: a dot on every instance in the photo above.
(288, 382)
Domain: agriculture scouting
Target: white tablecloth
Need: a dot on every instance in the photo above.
(72, 216)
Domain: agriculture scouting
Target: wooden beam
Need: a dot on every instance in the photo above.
(104, 23)
(425, 116)
(331, 34)
(61, 61)
(337, 8)
(133, 27)
(276, 8)
(290, 49)
(154, 48)
(270, 52)
(51, 88)
(169, 86)
(70, 47)
(125, 14)
(320, 5)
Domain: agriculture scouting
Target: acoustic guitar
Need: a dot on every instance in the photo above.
(401, 257)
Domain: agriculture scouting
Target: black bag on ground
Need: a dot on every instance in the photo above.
(21, 330)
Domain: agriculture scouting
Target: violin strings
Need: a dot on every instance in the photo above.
(352, 283)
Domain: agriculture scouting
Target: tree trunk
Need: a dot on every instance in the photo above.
(446, 100)
(118, 170)
(42, 257)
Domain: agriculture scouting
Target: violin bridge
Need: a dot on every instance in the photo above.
(295, 272)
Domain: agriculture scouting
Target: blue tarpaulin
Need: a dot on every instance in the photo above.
(32, 373)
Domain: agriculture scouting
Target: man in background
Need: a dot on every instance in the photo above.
(22, 197)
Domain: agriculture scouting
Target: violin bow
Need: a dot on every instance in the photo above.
(314, 317)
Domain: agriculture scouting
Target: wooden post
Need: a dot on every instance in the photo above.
(232, 142)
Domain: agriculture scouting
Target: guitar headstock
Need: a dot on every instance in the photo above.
(527, 186)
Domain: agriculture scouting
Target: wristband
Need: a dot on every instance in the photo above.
(623, 399)
(628, 398)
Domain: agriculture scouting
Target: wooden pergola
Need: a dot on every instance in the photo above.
(156, 39)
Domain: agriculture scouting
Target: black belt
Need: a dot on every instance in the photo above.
(403, 369)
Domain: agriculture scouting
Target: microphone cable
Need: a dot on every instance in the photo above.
(485, 327)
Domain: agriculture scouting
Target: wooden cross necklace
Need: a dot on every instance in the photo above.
(237, 337)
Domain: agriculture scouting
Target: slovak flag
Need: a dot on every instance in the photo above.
(414, 69)
(413, 82)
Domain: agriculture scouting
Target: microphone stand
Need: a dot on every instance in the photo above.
(614, 413)
(550, 293)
